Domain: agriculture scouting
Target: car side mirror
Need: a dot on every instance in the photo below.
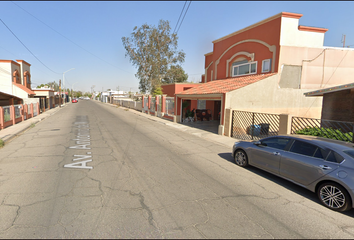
(257, 143)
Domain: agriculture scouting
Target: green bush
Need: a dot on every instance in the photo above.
(327, 133)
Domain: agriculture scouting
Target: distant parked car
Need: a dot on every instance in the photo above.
(322, 165)
(74, 100)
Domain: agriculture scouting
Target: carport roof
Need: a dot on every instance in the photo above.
(320, 92)
(225, 85)
(5, 96)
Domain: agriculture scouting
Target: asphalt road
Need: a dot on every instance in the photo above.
(92, 170)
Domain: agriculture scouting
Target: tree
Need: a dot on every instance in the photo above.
(175, 74)
(53, 85)
(153, 51)
(42, 85)
(157, 91)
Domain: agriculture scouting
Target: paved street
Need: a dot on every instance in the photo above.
(93, 170)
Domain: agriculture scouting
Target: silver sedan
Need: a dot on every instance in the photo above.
(322, 165)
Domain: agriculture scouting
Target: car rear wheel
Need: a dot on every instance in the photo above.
(241, 158)
(334, 196)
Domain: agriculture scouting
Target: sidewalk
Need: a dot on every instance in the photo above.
(223, 140)
(13, 131)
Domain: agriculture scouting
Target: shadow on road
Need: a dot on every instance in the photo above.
(282, 182)
(227, 157)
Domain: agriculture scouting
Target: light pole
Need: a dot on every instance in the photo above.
(64, 82)
(72, 89)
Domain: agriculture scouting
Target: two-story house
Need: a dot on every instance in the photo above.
(267, 67)
(15, 83)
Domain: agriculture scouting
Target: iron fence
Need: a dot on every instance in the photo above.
(338, 130)
(254, 126)
(152, 105)
(170, 106)
(35, 112)
(7, 114)
(17, 111)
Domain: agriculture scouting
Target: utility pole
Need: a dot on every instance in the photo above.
(343, 40)
(59, 92)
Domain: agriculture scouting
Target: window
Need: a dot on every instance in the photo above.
(334, 157)
(278, 143)
(303, 148)
(320, 153)
(243, 67)
(266, 65)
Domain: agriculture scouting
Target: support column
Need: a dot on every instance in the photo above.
(37, 109)
(22, 113)
(156, 105)
(1, 118)
(163, 104)
(12, 113)
(32, 109)
(228, 122)
(285, 124)
(142, 103)
(149, 102)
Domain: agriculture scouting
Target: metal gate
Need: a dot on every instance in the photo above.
(254, 126)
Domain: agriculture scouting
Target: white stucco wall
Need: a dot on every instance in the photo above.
(321, 67)
(5, 78)
(30, 100)
(266, 97)
(291, 36)
(18, 92)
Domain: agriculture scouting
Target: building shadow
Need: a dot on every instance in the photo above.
(209, 126)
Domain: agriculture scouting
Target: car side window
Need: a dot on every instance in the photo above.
(321, 153)
(278, 143)
(334, 157)
(303, 148)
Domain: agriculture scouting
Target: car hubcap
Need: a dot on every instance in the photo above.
(240, 158)
(332, 196)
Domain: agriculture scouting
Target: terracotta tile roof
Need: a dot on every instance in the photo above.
(225, 85)
(29, 91)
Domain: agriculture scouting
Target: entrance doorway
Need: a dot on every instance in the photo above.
(217, 110)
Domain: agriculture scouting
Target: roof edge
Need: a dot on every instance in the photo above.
(312, 29)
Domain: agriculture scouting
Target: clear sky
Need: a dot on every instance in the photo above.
(86, 35)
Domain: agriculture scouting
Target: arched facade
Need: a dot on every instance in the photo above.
(27, 79)
(16, 77)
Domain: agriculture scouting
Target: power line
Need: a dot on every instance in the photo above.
(184, 16)
(27, 47)
(71, 40)
(180, 16)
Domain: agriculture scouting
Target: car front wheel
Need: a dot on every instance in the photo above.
(334, 196)
(241, 158)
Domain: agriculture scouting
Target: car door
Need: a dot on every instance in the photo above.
(267, 154)
(304, 163)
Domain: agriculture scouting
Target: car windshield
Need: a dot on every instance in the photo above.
(349, 152)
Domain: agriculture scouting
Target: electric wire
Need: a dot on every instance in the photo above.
(184, 16)
(71, 40)
(180, 16)
(27, 47)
